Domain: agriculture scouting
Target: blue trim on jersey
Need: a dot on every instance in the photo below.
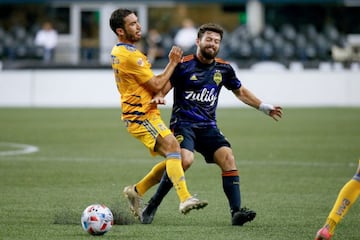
(125, 44)
(128, 46)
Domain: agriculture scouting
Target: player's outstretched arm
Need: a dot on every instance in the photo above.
(247, 97)
(156, 83)
(159, 98)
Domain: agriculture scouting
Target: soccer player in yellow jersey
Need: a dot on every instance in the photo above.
(137, 85)
(345, 199)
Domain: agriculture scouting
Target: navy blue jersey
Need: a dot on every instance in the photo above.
(196, 90)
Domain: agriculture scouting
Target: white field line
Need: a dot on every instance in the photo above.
(19, 149)
(155, 160)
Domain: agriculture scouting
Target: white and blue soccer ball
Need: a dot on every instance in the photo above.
(97, 219)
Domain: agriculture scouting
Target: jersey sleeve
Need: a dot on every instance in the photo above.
(139, 67)
(174, 76)
(232, 82)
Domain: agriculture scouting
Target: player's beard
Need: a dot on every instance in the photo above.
(131, 37)
(208, 54)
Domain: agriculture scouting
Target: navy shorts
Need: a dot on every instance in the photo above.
(204, 140)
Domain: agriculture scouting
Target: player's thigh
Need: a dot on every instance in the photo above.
(208, 142)
(167, 144)
(143, 134)
(154, 134)
(186, 138)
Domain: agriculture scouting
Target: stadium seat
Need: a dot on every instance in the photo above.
(19, 33)
(331, 33)
(323, 47)
(310, 32)
(21, 51)
(2, 51)
(269, 33)
(2, 34)
(288, 32)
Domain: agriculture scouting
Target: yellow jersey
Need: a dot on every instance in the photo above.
(132, 69)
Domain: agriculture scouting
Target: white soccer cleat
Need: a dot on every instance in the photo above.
(135, 201)
(192, 203)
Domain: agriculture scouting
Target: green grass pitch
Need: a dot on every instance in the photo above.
(291, 172)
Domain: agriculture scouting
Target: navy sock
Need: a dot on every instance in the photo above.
(231, 186)
(164, 187)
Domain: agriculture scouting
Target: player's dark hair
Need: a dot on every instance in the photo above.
(212, 27)
(117, 18)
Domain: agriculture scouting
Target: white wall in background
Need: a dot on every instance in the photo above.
(96, 88)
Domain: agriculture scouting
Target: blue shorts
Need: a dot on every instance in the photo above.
(204, 140)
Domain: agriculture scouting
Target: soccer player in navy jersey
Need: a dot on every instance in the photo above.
(197, 81)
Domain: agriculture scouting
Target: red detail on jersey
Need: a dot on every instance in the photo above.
(220, 60)
(187, 58)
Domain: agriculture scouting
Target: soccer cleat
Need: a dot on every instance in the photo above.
(191, 203)
(148, 213)
(134, 199)
(323, 234)
(243, 216)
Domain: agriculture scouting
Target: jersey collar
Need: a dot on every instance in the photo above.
(125, 44)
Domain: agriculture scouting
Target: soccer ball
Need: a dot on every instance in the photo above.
(97, 219)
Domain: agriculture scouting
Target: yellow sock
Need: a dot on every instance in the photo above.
(346, 197)
(176, 174)
(152, 178)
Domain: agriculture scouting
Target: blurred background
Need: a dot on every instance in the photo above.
(296, 53)
(309, 32)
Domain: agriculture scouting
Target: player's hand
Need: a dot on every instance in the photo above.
(158, 100)
(276, 113)
(273, 111)
(175, 54)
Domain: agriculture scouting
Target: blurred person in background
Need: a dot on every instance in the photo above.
(347, 196)
(47, 37)
(154, 46)
(185, 37)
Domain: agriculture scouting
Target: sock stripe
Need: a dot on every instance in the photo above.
(173, 155)
(230, 173)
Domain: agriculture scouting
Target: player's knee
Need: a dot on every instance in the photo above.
(172, 145)
(227, 162)
(230, 162)
(167, 145)
(186, 163)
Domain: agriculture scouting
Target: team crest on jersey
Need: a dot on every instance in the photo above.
(180, 138)
(193, 78)
(217, 77)
(115, 60)
(140, 62)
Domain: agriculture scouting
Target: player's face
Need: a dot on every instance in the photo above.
(132, 31)
(209, 44)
